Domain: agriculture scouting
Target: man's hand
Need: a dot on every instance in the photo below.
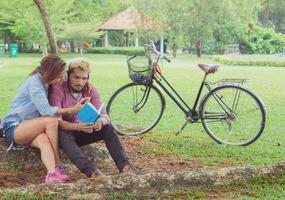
(85, 127)
(98, 125)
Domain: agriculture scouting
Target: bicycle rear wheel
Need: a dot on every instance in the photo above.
(233, 115)
(135, 109)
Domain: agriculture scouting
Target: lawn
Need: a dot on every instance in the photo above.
(109, 72)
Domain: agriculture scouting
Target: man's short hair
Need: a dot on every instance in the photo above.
(80, 63)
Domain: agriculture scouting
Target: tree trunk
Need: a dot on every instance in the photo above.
(127, 39)
(72, 46)
(199, 48)
(44, 14)
(81, 48)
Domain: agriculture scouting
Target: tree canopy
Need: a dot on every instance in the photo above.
(205, 26)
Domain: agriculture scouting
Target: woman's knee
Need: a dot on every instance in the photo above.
(41, 141)
(51, 122)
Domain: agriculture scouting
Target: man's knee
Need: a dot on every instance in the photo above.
(65, 138)
(109, 131)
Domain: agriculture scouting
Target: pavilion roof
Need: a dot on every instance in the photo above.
(130, 19)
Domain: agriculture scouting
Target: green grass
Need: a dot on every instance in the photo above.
(109, 72)
(23, 196)
(265, 187)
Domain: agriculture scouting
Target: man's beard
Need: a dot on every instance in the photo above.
(75, 89)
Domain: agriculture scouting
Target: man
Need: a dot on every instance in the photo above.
(74, 134)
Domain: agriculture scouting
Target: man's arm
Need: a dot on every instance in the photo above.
(96, 100)
(68, 126)
(79, 127)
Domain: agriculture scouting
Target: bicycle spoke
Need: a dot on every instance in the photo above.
(241, 123)
(135, 109)
(236, 99)
(248, 112)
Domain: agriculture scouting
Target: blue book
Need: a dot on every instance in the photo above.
(88, 113)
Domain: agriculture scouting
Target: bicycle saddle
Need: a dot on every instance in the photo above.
(208, 69)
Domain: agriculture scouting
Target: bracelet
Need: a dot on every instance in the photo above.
(70, 111)
(76, 126)
(104, 120)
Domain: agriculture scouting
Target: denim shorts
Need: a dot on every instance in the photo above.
(8, 132)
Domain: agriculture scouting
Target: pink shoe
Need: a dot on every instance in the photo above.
(59, 170)
(52, 178)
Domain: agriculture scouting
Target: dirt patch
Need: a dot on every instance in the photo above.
(135, 148)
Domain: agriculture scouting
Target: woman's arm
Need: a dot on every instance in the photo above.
(73, 110)
(38, 96)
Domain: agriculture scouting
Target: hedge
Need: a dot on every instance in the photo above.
(116, 50)
(248, 62)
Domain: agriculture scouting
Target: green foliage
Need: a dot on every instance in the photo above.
(272, 15)
(23, 196)
(249, 62)
(262, 41)
(79, 32)
(202, 25)
(116, 50)
(70, 20)
(19, 21)
(121, 197)
(106, 9)
(265, 187)
(117, 38)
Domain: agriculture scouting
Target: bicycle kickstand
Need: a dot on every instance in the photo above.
(184, 125)
(188, 120)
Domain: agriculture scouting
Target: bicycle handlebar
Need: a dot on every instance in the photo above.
(154, 50)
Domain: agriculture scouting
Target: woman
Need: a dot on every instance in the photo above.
(31, 120)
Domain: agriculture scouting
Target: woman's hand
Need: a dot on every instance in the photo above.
(77, 107)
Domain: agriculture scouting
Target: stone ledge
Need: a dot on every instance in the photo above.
(30, 157)
(151, 184)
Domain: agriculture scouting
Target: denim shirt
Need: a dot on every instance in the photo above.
(30, 101)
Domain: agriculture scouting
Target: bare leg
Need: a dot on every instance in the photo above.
(47, 154)
(28, 130)
(52, 133)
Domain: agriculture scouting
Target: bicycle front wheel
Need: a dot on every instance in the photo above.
(232, 114)
(135, 109)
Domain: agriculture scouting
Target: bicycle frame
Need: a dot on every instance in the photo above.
(179, 101)
(224, 102)
(191, 113)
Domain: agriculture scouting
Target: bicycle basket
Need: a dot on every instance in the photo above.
(140, 68)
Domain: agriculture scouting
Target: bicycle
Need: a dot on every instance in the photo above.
(230, 112)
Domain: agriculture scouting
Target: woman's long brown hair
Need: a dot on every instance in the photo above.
(51, 66)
